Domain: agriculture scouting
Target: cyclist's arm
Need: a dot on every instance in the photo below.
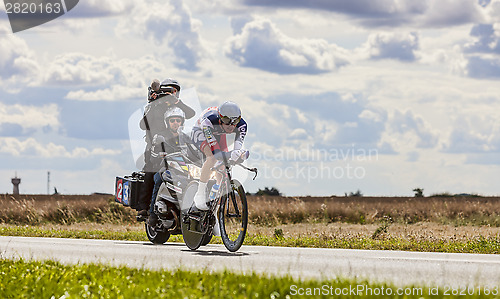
(241, 132)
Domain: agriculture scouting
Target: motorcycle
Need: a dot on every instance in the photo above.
(228, 214)
(168, 201)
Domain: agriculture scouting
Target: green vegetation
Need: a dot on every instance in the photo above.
(33, 279)
(355, 194)
(37, 231)
(419, 192)
(268, 191)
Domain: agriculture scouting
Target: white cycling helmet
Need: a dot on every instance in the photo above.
(229, 113)
(174, 112)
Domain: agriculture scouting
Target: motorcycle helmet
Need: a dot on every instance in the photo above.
(168, 83)
(229, 113)
(174, 112)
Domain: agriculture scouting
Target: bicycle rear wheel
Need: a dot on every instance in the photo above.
(192, 239)
(233, 216)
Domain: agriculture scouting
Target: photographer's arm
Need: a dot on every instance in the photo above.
(188, 111)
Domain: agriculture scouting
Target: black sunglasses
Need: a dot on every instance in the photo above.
(230, 120)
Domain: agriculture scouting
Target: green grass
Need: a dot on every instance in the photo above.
(34, 279)
(487, 245)
(34, 231)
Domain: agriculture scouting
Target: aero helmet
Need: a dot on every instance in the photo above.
(229, 113)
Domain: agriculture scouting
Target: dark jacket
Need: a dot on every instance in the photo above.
(153, 120)
(171, 145)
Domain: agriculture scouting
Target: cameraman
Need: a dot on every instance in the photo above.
(161, 97)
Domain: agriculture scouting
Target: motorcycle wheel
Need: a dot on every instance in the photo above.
(156, 237)
(192, 239)
(233, 217)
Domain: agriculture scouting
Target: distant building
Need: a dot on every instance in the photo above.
(16, 181)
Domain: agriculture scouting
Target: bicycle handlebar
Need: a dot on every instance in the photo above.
(231, 163)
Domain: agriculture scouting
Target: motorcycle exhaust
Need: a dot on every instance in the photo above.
(161, 207)
(162, 211)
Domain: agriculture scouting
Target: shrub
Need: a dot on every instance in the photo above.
(419, 192)
(271, 192)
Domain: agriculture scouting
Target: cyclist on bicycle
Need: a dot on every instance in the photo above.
(209, 135)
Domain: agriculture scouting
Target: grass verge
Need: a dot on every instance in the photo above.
(33, 279)
(480, 244)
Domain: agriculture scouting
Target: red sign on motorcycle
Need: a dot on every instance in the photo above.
(119, 190)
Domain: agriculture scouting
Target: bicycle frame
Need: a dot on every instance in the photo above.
(228, 186)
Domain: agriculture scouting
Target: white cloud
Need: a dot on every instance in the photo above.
(299, 133)
(387, 45)
(487, 39)
(262, 45)
(17, 63)
(80, 69)
(32, 148)
(108, 78)
(417, 132)
(390, 13)
(97, 8)
(492, 11)
(29, 117)
(451, 12)
(481, 55)
(170, 25)
(474, 134)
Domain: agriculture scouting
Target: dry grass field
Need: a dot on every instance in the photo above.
(268, 210)
(440, 218)
(62, 209)
(369, 210)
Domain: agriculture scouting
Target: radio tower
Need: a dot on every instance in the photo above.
(16, 181)
(48, 182)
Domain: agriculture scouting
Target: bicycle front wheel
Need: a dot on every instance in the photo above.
(233, 216)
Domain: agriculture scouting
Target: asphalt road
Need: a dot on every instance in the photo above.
(398, 267)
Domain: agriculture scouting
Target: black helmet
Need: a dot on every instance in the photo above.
(169, 82)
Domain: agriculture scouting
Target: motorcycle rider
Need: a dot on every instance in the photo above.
(168, 142)
(209, 135)
(161, 97)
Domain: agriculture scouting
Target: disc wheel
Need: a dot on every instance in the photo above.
(192, 239)
(156, 237)
(233, 217)
(206, 238)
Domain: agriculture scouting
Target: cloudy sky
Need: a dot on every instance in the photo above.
(381, 96)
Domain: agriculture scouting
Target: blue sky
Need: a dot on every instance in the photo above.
(383, 96)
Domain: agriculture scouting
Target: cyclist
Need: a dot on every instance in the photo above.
(209, 135)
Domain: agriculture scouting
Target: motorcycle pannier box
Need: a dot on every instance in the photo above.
(128, 189)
